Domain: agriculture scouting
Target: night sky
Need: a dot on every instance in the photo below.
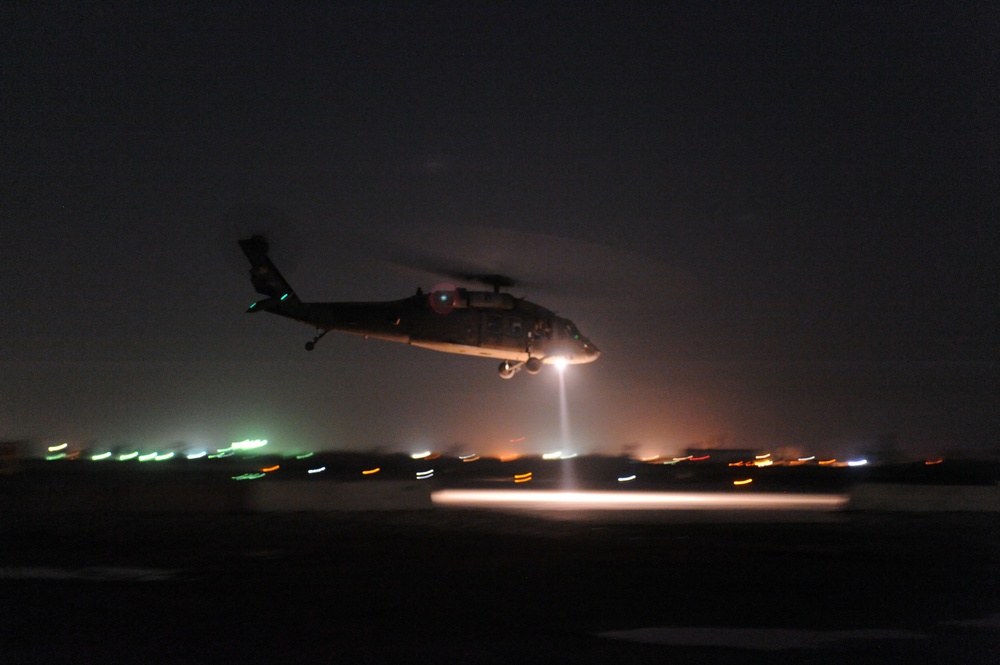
(778, 221)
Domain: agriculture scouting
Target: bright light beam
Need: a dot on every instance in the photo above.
(637, 500)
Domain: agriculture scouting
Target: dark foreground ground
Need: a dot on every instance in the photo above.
(463, 586)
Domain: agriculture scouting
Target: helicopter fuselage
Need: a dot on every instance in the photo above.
(450, 319)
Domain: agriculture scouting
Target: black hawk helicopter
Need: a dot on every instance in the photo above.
(490, 324)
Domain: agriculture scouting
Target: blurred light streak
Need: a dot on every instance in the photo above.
(625, 479)
(522, 477)
(163, 457)
(100, 456)
(147, 457)
(933, 461)
(248, 444)
(421, 455)
(368, 472)
(304, 456)
(827, 462)
(424, 475)
(745, 481)
(271, 468)
(605, 500)
(249, 476)
(125, 457)
(198, 455)
(857, 462)
(319, 470)
(61, 446)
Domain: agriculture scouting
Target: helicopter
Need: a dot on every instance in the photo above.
(490, 324)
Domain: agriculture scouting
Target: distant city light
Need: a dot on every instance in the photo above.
(164, 456)
(198, 455)
(319, 470)
(424, 475)
(304, 456)
(271, 468)
(61, 446)
(745, 481)
(857, 462)
(125, 457)
(147, 457)
(626, 479)
(368, 472)
(100, 456)
(522, 477)
(421, 455)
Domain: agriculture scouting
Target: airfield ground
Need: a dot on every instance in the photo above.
(453, 585)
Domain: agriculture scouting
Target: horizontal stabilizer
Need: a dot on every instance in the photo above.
(267, 303)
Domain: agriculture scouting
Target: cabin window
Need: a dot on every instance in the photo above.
(494, 325)
(515, 328)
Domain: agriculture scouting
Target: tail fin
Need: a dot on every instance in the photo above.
(265, 277)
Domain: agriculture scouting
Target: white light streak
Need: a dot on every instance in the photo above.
(605, 500)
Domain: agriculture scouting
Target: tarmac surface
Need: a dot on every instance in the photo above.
(464, 585)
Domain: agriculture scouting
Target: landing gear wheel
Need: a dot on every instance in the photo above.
(507, 370)
(533, 365)
(311, 344)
